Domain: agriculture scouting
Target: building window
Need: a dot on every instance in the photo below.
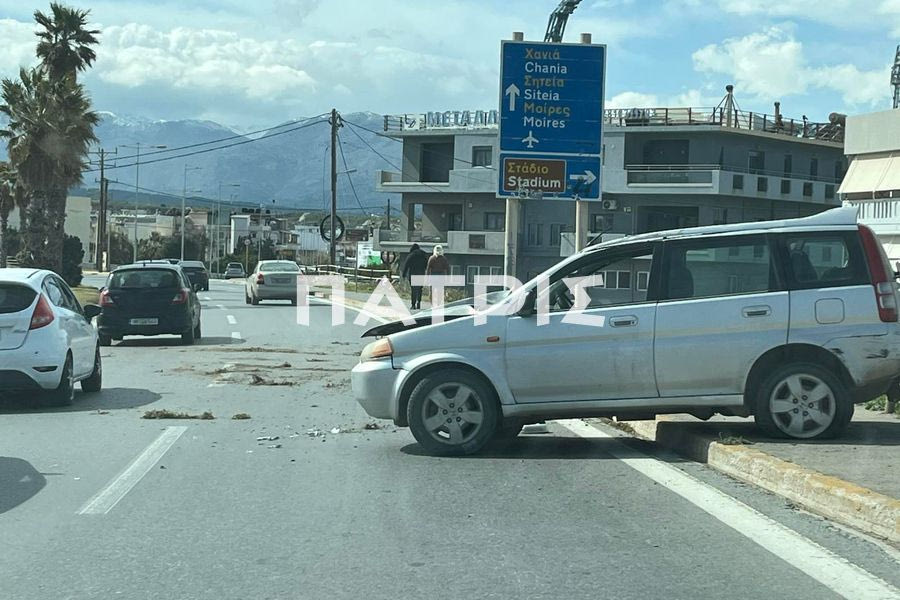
(788, 165)
(455, 270)
(785, 186)
(762, 184)
(494, 221)
(814, 167)
(601, 223)
(838, 170)
(535, 234)
(756, 161)
(829, 191)
(471, 273)
(807, 188)
(482, 156)
(556, 231)
(737, 182)
(476, 241)
(643, 279)
(720, 216)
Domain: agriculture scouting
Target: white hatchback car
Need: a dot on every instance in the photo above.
(47, 340)
(791, 322)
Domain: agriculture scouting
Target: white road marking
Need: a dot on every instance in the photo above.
(236, 335)
(826, 567)
(231, 320)
(353, 308)
(115, 490)
(220, 306)
(205, 298)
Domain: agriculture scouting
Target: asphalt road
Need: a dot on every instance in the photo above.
(86, 510)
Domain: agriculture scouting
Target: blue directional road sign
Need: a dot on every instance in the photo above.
(551, 115)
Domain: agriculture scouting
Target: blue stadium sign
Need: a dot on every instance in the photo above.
(551, 119)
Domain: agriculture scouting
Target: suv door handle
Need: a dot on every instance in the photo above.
(757, 311)
(625, 321)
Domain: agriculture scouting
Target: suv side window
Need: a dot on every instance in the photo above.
(617, 277)
(824, 259)
(704, 268)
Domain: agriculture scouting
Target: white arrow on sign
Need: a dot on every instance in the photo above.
(587, 177)
(513, 92)
(531, 140)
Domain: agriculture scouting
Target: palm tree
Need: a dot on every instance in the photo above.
(7, 200)
(50, 127)
(65, 42)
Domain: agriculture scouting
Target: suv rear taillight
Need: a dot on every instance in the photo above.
(181, 297)
(106, 299)
(260, 279)
(882, 276)
(43, 314)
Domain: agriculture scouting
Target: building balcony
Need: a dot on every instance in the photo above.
(454, 242)
(718, 180)
(470, 180)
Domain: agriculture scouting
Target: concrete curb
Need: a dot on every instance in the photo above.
(836, 499)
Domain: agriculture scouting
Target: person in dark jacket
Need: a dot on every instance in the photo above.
(416, 263)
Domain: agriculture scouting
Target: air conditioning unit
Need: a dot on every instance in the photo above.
(609, 204)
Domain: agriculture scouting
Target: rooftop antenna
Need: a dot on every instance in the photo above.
(726, 108)
(895, 79)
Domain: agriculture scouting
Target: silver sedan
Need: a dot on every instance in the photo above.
(272, 280)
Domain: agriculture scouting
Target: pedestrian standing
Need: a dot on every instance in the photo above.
(416, 264)
(437, 264)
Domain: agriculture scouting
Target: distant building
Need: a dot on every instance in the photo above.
(662, 168)
(78, 223)
(873, 179)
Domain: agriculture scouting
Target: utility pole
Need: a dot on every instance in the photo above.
(183, 198)
(334, 121)
(389, 214)
(101, 214)
(581, 206)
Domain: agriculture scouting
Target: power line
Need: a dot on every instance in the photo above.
(347, 173)
(225, 139)
(242, 142)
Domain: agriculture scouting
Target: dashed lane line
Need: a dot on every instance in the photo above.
(231, 319)
(115, 490)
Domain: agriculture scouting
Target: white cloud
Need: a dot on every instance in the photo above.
(633, 100)
(17, 42)
(771, 64)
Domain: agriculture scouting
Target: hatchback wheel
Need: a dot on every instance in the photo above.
(64, 394)
(803, 401)
(95, 382)
(452, 412)
(187, 338)
(104, 340)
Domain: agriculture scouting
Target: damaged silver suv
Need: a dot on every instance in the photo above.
(792, 322)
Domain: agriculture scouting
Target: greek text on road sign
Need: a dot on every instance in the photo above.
(534, 174)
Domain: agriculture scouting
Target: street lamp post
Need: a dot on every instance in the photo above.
(137, 174)
(183, 198)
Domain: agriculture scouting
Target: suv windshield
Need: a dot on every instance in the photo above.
(143, 278)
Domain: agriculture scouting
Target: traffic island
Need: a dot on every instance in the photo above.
(851, 480)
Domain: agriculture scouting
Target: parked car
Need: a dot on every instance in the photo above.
(272, 280)
(234, 271)
(149, 299)
(197, 273)
(47, 340)
(792, 322)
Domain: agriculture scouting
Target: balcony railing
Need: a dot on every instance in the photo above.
(833, 130)
(655, 169)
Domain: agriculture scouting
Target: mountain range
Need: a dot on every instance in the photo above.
(286, 165)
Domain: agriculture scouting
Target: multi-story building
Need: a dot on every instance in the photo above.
(662, 168)
(78, 223)
(873, 178)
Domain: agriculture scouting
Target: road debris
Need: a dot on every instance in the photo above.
(335, 430)
(274, 446)
(372, 426)
(164, 413)
(315, 432)
(260, 380)
(101, 412)
(240, 416)
(267, 438)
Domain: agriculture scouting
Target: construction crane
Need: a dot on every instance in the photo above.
(556, 26)
(895, 79)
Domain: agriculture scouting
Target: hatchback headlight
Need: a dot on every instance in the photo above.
(377, 350)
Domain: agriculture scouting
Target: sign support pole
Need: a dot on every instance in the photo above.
(513, 205)
(581, 207)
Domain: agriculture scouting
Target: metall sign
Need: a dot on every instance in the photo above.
(551, 111)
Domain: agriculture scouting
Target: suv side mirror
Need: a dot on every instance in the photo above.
(527, 308)
(91, 311)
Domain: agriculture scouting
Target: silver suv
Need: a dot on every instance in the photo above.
(792, 322)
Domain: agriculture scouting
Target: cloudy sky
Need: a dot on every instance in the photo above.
(257, 63)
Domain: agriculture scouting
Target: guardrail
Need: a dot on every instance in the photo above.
(356, 274)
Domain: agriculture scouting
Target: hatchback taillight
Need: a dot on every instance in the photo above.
(43, 314)
(882, 276)
(260, 279)
(106, 299)
(181, 297)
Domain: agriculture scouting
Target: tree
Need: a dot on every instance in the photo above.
(65, 43)
(7, 201)
(121, 250)
(73, 254)
(151, 248)
(50, 127)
